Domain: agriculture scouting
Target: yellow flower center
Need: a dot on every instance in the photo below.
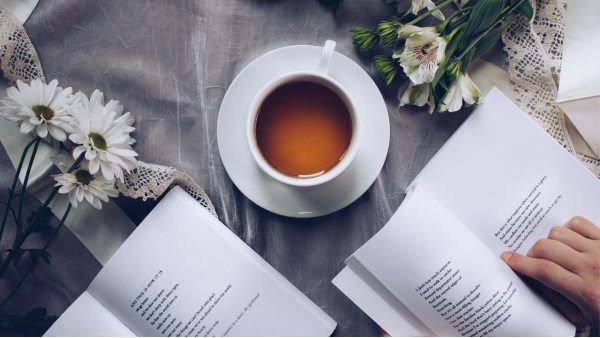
(84, 176)
(99, 141)
(44, 112)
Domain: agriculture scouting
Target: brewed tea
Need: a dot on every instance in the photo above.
(303, 129)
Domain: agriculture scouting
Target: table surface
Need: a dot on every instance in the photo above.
(170, 64)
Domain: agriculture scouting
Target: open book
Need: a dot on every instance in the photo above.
(183, 273)
(499, 184)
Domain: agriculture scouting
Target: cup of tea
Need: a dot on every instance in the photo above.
(303, 127)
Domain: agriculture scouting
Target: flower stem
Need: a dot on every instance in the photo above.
(62, 221)
(429, 12)
(455, 14)
(53, 193)
(11, 193)
(19, 240)
(24, 187)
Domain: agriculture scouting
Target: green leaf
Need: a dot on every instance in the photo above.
(467, 60)
(43, 218)
(35, 323)
(525, 10)
(484, 45)
(450, 48)
(473, 3)
(440, 92)
(487, 42)
(18, 255)
(443, 84)
(333, 4)
(439, 73)
(483, 16)
(35, 254)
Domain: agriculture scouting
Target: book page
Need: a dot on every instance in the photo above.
(86, 317)
(449, 279)
(507, 180)
(178, 275)
(401, 323)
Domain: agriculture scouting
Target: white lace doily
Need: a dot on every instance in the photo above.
(151, 181)
(534, 56)
(19, 61)
(18, 58)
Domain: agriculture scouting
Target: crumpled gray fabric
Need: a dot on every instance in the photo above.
(170, 64)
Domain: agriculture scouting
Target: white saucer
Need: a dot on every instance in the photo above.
(302, 201)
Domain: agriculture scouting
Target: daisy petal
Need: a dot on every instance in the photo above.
(94, 164)
(42, 130)
(73, 197)
(57, 132)
(26, 128)
(96, 204)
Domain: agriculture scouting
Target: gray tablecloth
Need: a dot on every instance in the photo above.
(170, 64)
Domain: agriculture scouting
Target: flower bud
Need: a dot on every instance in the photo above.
(388, 31)
(387, 67)
(365, 39)
(452, 70)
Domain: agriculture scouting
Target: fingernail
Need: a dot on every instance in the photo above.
(506, 255)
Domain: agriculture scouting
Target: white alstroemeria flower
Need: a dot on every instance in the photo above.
(103, 134)
(417, 95)
(40, 106)
(404, 33)
(415, 6)
(81, 184)
(461, 89)
(422, 52)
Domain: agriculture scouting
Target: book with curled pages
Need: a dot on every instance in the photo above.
(183, 273)
(499, 184)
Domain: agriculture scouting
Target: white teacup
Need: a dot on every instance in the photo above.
(319, 76)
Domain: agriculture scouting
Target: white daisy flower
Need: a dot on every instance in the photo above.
(415, 6)
(39, 106)
(417, 95)
(81, 184)
(103, 134)
(461, 89)
(422, 52)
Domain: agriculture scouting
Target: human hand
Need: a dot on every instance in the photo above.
(566, 269)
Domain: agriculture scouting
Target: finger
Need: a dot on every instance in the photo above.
(557, 252)
(571, 238)
(560, 302)
(548, 273)
(583, 227)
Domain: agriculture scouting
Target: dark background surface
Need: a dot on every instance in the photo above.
(170, 64)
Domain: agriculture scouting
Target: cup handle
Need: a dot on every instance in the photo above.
(325, 60)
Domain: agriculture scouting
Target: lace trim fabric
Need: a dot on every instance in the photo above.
(18, 58)
(151, 181)
(582, 330)
(534, 56)
(19, 61)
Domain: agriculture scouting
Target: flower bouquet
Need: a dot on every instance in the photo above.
(434, 60)
(95, 150)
